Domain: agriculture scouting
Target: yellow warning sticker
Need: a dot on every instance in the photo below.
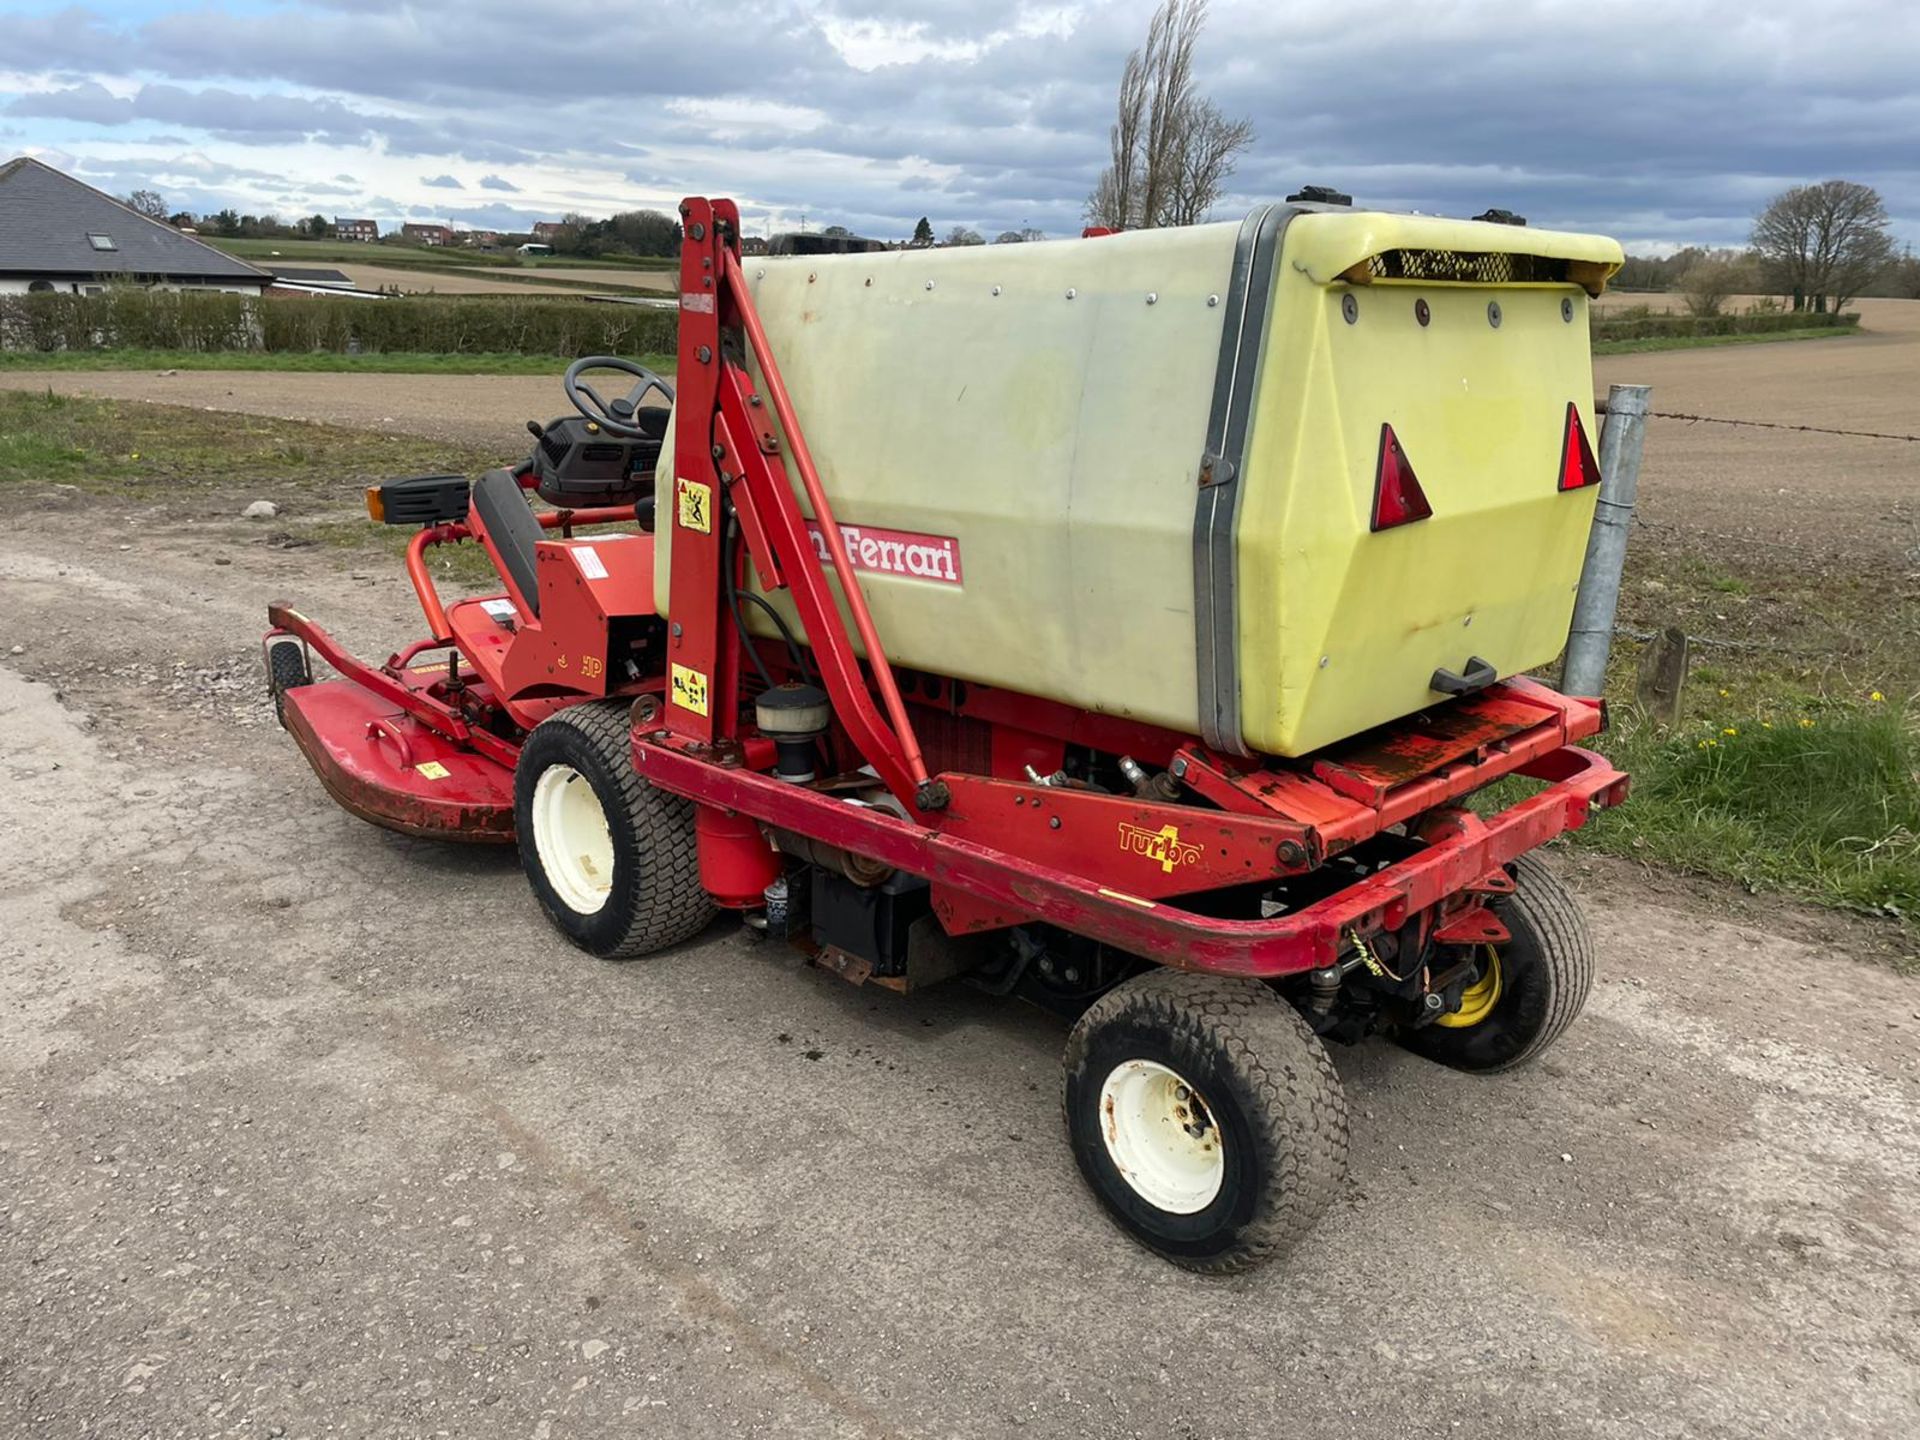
(696, 505)
(432, 769)
(689, 689)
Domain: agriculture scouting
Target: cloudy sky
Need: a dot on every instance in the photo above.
(1661, 123)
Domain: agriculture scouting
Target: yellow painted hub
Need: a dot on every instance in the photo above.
(1478, 999)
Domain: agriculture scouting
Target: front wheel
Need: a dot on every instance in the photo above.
(612, 860)
(287, 669)
(1206, 1117)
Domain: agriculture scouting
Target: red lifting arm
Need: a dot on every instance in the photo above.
(724, 446)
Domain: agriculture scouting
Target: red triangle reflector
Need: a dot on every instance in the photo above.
(1397, 496)
(1578, 468)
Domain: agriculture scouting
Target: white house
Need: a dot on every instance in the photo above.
(57, 234)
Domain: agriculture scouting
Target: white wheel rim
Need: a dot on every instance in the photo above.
(570, 836)
(1162, 1137)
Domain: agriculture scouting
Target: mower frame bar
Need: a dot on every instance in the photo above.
(1470, 849)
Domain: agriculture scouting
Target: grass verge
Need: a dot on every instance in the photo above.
(1701, 342)
(187, 458)
(317, 362)
(1820, 800)
(1794, 766)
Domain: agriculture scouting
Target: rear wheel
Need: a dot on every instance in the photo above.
(1206, 1117)
(1526, 992)
(612, 859)
(287, 669)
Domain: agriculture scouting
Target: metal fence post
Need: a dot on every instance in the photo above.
(1590, 641)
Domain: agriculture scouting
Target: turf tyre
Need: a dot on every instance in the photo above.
(287, 669)
(1270, 1090)
(653, 897)
(1546, 972)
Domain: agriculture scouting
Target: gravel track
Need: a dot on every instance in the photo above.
(310, 1129)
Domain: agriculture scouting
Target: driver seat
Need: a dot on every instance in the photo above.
(510, 533)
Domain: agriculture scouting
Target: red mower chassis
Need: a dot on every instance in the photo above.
(880, 820)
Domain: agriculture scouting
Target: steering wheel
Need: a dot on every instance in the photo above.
(617, 416)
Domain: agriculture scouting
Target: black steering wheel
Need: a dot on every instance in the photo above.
(616, 417)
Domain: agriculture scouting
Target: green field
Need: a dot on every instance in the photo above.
(319, 362)
(1701, 342)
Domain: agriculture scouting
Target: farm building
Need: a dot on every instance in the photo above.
(364, 231)
(57, 234)
(427, 234)
(548, 230)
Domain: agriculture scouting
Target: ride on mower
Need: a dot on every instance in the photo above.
(1134, 625)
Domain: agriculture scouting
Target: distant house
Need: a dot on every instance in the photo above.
(427, 234)
(480, 239)
(548, 230)
(364, 231)
(57, 234)
(753, 244)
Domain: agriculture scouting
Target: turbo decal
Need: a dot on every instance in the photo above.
(1163, 846)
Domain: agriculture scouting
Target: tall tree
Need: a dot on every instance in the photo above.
(1824, 243)
(149, 204)
(1170, 149)
(922, 234)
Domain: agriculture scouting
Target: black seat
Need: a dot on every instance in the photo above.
(512, 532)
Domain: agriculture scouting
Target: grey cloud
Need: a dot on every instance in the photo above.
(441, 182)
(91, 103)
(1463, 107)
(495, 182)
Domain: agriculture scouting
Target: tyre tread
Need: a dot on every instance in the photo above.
(669, 904)
(1547, 907)
(1301, 1115)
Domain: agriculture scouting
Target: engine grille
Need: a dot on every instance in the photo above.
(1468, 267)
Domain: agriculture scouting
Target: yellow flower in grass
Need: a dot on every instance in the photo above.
(1805, 723)
(1877, 698)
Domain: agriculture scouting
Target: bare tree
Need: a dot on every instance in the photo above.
(1171, 36)
(1207, 147)
(1114, 202)
(148, 203)
(961, 235)
(1171, 150)
(1824, 243)
(1706, 285)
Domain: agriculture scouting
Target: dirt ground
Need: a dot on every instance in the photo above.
(1838, 498)
(307, 1129)
(479, 281)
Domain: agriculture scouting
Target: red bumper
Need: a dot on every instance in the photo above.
(969, 877)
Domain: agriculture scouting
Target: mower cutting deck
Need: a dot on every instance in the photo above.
(720, 727)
